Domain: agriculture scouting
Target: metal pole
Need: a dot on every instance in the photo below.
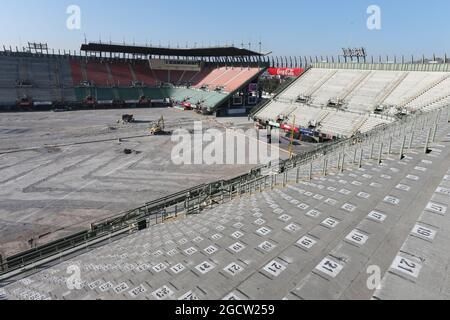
(343, 162)
(361, 158)
(411, 139)
(390, 145)
(402, 149)
(324, 164)
(428, 140)
(297, 179)
(339, 162)
(380, 154)
(436, 127)
(310, 171)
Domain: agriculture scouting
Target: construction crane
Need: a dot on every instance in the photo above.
(158, 127)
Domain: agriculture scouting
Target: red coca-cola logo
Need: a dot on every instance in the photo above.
(286, 72)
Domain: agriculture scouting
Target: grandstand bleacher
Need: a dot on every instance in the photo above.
(56, 79)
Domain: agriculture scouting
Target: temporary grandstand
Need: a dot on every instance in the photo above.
(306, 229)
(338, 100)
(212, 80)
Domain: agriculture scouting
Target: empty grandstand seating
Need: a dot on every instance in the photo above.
(66, 79)
(46, 79)
(97, 73)
(357, 93)
(230, 79)
(121, 74)
(144, 74)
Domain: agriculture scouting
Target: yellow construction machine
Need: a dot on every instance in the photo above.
(158, 128)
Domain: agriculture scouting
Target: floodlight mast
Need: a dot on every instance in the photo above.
(357, 53)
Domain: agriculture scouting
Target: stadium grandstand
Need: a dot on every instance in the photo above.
(210, 80)
(338, 100)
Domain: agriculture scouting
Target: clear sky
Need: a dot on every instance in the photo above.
(286, 27)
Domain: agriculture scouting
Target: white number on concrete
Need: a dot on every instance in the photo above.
(274, 268)
(329, 267)
(306, 242)
(406, 266)
(357, 237)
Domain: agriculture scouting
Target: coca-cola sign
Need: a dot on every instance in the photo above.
(286, 72)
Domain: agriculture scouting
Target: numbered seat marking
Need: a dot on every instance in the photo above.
(216, 237)
(329, 267)
(377, 216)
(264, 231)
(349, 207)
(205, 267)
(306, 242)
(403, 187)
(314, 213)
(274, 268)
(330, 223)
(443, 191)
(424, 232)
(267, 246)
(436, 208)
(233, 269)
(190, 251)
(121, 288)
(293, 228)
(357, 237)
(331, 202)
(211, 250)
(188, 296)
(406, 266)
(163, 293)
(237, 235)
(237, 247)
(178, 268)
(392, 200)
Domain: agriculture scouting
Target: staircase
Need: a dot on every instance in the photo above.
(382, 98)
(84, 70)
(319, 85)
(182, 76)
(133, 74)
(110, 76)
(427, 106)
(425, 90)
(354, 85)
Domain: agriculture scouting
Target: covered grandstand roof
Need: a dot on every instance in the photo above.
(189, 52)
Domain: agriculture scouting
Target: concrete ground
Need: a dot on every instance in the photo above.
(59, 172)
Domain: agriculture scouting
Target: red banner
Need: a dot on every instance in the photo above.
(286, 72)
